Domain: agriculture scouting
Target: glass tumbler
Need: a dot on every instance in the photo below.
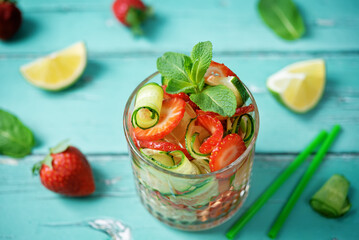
(190, 202)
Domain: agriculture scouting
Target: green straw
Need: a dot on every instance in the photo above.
(275, 185)
(303, 182)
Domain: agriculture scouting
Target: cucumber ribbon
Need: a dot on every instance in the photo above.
(148, 105)
(331, 199)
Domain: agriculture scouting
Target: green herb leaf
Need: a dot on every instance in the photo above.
(331, 200)
(61, 147)
(201, 57)
(218, 99)
(175, 67)
(282, 17)
(16, 140)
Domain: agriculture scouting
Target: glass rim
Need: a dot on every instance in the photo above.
(133, 147)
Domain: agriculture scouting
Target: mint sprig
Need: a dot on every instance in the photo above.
(186, 74)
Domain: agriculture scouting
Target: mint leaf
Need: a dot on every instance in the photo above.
(218, 99)
(16, 140)
(201, 56)
(283, 17)
(175, 67)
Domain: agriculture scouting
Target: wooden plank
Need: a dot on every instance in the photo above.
(233, 26)
(25, 203)
(90, 113)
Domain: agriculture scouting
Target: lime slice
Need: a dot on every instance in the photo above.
(58, 70)
(299, 86)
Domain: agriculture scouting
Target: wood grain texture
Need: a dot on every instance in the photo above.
(26, 204)
(90, 113)
(232, 26)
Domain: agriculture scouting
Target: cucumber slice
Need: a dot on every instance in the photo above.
(244, 126)
(148, 105)
(201, 195)
(183, 165)
(233, 83)
(192, 141)
(174, 161)
(161, 158)
(202, 164)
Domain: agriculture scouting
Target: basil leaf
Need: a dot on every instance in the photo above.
(201, 57)
(282, 17)
(218, 99)
(175, 67)
(16, 140)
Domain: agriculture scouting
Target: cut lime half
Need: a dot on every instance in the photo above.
(299, 86)
(58, 70)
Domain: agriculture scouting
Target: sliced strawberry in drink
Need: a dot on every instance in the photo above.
(164, 146)
(227, 151)
(193, 105)
(243, 110)
(172, 112)
(214, 126)
(181, 95)
(239, 111)
(219, 69)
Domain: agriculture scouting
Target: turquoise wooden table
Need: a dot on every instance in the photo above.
(90, 113)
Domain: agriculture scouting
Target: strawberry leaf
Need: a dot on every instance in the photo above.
(61, 147)
(47, 161)
(135, 17)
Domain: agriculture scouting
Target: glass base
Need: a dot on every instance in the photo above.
(212, 215)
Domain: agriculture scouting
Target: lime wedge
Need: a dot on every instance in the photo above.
(58, 70)
(299, 86)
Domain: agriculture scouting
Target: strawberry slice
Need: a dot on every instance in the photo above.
(181, 95)
(164, 146)
(214, 126)
(243, 110)
(239, 111)
(219, 69)
(172, 112)
(227, 151)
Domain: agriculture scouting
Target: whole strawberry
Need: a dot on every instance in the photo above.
(66, 171)
(132, 13)
(10, 19)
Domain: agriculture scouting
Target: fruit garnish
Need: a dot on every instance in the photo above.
(57, 71)
(219, 70)
(172, 112)
(239, 111)
(214, 126)
(66, 171)
(299, 86)
(10, 19)
(227, 151)
(132, 13)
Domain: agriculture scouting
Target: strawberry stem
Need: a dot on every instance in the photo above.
(135, 17)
